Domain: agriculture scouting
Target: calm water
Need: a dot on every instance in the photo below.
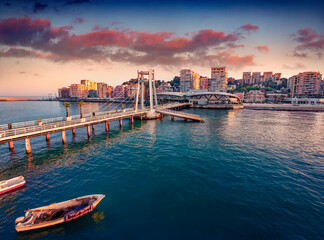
(240, 175)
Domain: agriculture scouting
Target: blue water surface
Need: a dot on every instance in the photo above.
(242, 174)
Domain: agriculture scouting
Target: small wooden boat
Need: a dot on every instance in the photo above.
(11, 184)
(57, 213)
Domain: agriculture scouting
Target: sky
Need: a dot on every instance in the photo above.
(45, 45)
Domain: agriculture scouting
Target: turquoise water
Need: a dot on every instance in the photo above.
(240, 175)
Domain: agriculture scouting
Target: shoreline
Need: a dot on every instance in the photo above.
(285, 107)
(9, 99)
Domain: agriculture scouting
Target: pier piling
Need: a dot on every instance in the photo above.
(93, 128)
(107, 126)
(121, 123)
(73, 132)
(27, 145)
(47, 136)
(11, 146)
(63, 137)
(88, 131)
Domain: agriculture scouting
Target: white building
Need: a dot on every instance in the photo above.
(218, 79)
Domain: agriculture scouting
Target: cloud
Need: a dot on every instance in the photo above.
(38, 6)
(249, 28)
(299, 55)
(99, 28)
(296, 66)
(309, 40)
(23, 53)
(262, 48)
(116, 23)
(233, 45)
(22, 72)
(79, 20)
(37, 38)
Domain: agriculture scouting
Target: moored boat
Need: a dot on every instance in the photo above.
(11, 184)
(57, 213)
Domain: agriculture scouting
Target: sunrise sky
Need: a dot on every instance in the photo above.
(45, 45)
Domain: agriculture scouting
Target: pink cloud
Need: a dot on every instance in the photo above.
(24, 53)
(79, 20)
(309, 39)
(262, 48)
(37, 38)
(249, 27)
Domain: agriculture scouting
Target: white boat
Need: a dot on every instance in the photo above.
(57, 213)
(11, 184)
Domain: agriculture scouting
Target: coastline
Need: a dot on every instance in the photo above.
(8, 99)
(284, 107)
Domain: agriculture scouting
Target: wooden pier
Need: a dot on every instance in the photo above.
(10, 135)
(185, 116)
(26, 130)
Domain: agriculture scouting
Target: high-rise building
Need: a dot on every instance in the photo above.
(246, 77)
(276, 77)
(218, 80)
(78, 91)
(189, 80)
(267, 76)
(130, 90)
(305, 84)
(91, 85)
(110, 91)
(256, 78)
(205, 83)
(119, 91)
(64, 92)
(102, 90)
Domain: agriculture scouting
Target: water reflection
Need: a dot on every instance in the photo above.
(48, 144)
(29, 235)
(231, 118)
(98, 216)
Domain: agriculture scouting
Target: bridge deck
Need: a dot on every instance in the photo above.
(178, 114)
(29, 129)
(38, 130)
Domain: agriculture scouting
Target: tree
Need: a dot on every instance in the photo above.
(81, 103)
(67, 105)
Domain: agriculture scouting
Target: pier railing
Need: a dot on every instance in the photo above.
(50, 120)
(177, 112)
(111, 115)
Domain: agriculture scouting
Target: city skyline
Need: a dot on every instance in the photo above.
(56, 43)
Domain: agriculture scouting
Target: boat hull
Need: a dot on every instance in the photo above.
(66, 218)
(11, 184)
(12, 188)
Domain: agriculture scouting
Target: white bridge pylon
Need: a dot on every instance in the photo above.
(142, 77)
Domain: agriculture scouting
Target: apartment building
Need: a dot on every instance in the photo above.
(218, 79)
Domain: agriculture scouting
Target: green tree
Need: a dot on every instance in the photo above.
(81, 103)
(67, 105)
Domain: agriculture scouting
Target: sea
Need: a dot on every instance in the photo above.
(242, 174)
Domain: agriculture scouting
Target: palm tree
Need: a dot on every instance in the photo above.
(67, 105)
(81, 103)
